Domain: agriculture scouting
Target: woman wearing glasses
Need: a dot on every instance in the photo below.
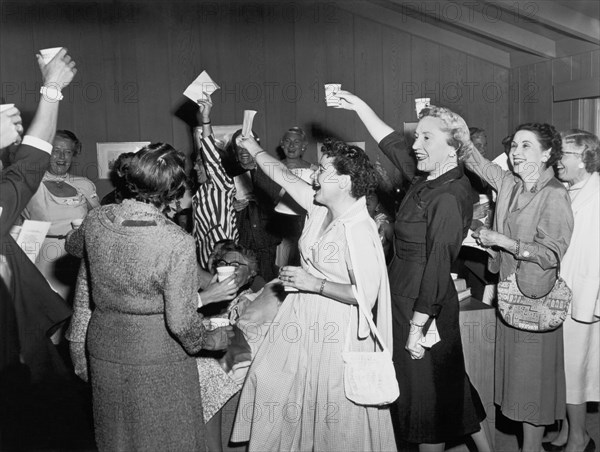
(580, 268)
(293, 397)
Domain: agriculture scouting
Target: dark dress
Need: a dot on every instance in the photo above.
(437, 401)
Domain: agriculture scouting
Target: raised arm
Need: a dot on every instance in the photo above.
(484, 168)
(298, 189)
(391, 143)
(21, 180)
(374, 124)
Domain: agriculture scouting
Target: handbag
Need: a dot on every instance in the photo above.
(369, 377)
(531, 313)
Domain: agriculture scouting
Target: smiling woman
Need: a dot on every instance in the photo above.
(532, 228)
(61, 199)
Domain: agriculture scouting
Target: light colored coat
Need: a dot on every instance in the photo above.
(580, 267)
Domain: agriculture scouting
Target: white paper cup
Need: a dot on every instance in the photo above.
(5, 107)
(49, 53)
(330, 90)
(76, 223)
(212, 323)
(225, 272)
(422, 103)
(454, 276)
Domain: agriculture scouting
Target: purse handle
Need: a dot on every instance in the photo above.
(363, 310)
(551, 288)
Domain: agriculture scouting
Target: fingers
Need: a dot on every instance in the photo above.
(416, 352)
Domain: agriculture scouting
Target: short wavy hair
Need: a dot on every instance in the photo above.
(353, 161)
(590, 143)
(68, 135)
(223, 247)
(156, 174)
(454, 125)
(547, 136)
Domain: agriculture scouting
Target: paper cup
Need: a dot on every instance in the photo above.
(5, 107)
(422, 103)
(213, 323)
(225, 272)
(48, 54)
(76, 223)
(330, 90)
(454, 276)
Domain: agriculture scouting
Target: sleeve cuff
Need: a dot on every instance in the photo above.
(37, 143)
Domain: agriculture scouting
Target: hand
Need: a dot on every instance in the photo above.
(416, 350)
(219, 338)
(216, 291)
(11, 127)
(250, 144)
(240, 204)
(486, 237)
(205, 107)
(59, 71)
(298, 278)
(346, 100)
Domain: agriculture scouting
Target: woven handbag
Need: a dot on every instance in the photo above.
(545, 313)
(369, 377)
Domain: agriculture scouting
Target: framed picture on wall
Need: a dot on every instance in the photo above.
(108, 153)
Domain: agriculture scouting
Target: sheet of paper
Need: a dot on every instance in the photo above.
(247, 124)
(202, 84)
(432, 337)
(31, 237)
(243, 186)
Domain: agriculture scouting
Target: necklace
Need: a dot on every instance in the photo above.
(58, 180)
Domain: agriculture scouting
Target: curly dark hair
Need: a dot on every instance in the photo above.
(353, 161)
(156, 174)
(590, 155)
(548, 137)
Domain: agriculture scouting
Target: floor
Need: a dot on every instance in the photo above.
(57, 417)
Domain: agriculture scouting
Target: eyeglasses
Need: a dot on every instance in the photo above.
(224, 263)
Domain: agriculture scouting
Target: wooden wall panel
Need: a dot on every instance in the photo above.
(136, 59)
(564, 114)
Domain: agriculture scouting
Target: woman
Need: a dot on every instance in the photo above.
(533, 224)
(580, 268)
(437, 401)
(217, 387)
(143, 280)
(61, 199)
(290, 222)
(293, 397)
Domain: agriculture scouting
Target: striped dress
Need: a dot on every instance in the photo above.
(214, 216)
(293, 397)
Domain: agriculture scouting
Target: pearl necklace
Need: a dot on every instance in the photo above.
(59, 180)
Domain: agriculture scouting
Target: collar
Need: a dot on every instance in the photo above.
(448, 176)
(546, 176)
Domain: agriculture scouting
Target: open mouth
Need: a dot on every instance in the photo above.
(420, 156)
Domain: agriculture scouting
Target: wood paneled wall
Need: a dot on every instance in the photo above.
(531, 91)
(135, 59)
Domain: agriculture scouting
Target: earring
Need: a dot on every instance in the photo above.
(581, 165)
(452, 154)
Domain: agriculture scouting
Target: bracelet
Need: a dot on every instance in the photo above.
(413, 323)
(205, 123)
(51, 93)
(322, 286)
(259, 152)
(518, 248)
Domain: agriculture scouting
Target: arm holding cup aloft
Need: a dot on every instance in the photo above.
(374, 124)
(277, 171)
